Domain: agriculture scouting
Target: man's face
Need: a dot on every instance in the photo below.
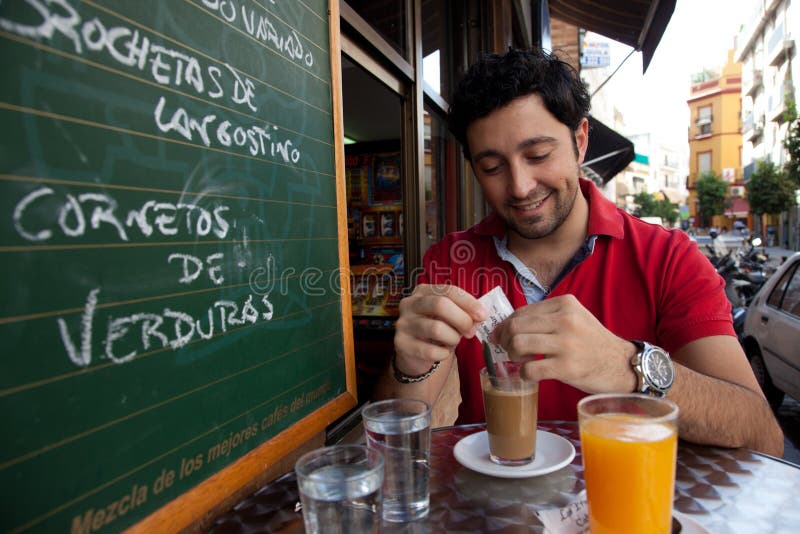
(528, 164)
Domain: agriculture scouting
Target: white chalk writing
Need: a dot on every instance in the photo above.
(256, 139)
(261, 27)
(168, 328)
(193, 266)
(77, 214)
(84, 357)
(169, 67)
(166, 66)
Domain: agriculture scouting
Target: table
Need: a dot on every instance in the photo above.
(725, 490)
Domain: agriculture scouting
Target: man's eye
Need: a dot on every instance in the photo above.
(492, 170)
(537, 157)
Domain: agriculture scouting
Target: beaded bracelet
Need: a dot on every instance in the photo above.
(403, 378)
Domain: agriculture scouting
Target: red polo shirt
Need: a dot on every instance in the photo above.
(641, 281)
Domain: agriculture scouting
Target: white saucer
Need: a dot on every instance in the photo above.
(552, 453)
(690, 526)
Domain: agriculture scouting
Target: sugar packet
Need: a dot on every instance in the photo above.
(496, 302)
(571, 519)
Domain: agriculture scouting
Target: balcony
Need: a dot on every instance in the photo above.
(703, 125)
(752, 25)
(747, 123)
(752, 128)
(747, 171)
(703, 130)
(776, 104)
(779, 46)
(753, 83)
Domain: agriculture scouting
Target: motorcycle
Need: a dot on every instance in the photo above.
(744, 272)
(712, 249)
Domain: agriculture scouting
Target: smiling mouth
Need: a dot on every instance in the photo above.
(527, 206)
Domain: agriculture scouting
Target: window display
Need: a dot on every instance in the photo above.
(375, 226)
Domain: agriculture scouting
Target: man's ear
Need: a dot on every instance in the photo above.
(582, 139)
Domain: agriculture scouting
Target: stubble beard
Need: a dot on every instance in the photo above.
(542, 225)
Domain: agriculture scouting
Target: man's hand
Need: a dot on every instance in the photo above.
(578, 350)
(432, 321)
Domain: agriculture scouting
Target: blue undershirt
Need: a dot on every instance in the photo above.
(534, 290)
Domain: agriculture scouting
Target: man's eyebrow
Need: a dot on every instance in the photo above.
(533, 141)
(527, 143)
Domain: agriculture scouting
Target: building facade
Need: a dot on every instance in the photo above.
(715, 141)
(767, 49)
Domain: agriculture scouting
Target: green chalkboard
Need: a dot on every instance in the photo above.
(170, 248)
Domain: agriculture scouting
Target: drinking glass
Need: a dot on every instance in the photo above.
(340, 489)
(401, 430)
(510, 404)
(630, 445)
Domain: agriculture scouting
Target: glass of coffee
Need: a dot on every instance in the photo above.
(510, 403)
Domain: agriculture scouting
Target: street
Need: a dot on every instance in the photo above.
(788, 414)
(789, 419)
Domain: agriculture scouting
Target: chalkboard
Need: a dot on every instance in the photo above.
(171, 249)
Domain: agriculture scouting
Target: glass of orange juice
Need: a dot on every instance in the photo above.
(630, 446)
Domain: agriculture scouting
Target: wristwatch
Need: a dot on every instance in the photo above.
(654, 369)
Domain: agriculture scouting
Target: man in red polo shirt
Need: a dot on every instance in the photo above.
(595, 291)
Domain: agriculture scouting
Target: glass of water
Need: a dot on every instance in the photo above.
(340, 489)
(401, 430)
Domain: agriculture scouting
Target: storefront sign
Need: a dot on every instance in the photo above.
(595, 54)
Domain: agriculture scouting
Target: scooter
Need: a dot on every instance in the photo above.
(743, 272)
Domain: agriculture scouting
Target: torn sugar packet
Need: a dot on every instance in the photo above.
(496, 302)
(571, 519)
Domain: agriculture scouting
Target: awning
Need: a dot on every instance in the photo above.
(608, 152)
(673, 195)
(739, 208)
(639, 24)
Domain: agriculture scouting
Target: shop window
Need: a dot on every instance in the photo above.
(388, 18)
(374, 176)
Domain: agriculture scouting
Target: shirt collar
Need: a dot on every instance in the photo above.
(604, 219)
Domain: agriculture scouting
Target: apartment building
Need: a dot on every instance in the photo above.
(715, 140)
(767, 50)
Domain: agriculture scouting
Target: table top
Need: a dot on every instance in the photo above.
(725, 490)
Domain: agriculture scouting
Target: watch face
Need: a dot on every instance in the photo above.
(657, 367)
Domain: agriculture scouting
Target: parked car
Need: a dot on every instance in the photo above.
(771, 336)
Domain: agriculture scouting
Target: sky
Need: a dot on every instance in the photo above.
(698, 36)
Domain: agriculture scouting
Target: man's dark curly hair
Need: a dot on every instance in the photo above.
(495, 80)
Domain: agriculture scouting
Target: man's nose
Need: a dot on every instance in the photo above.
(521, 180)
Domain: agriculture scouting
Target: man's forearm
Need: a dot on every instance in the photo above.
(716, 412)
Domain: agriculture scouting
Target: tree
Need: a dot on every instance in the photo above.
(668, 211)
(770, 190)
(646, 203)
(650, 207)
(711, 191)
(792, 143)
